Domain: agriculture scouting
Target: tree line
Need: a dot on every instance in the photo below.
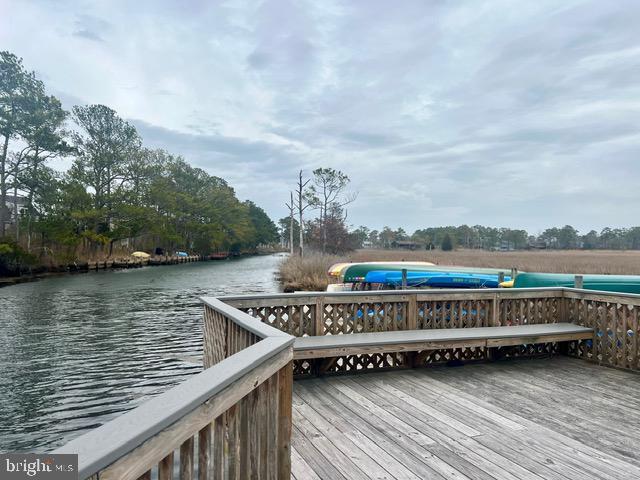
(326, 193)
(490, 238)
(116, 191)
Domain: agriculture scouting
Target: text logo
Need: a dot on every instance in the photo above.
(36, 466)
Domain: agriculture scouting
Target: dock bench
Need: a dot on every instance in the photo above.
(417, 340)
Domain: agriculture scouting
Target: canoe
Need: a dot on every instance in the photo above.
(338, 269)
(435, 279)
(605, 283)
(358, 271)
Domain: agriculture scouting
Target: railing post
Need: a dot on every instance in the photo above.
(514, 273)
(404, 279)
(319, 317)
(318, 330)
(578, 281)
(412, 324)
(500, 277)
(495, 310)
(412, 312)
(285, 388)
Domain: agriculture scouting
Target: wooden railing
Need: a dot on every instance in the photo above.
(614, 318)
(231, 421)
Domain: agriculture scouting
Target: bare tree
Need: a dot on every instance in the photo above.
(291, 207)
(328, 195)
(301, 204)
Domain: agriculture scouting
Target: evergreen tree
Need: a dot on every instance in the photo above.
(447, 244)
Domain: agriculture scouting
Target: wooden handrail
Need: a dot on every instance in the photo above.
(357, 293)
(210, 410)
(248, 349)
(240, 318)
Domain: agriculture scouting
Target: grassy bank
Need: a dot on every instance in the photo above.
(309, 273)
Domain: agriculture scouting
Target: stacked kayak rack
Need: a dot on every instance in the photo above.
(402, 275)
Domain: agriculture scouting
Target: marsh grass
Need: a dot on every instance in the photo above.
(310, 272)
(556, 261)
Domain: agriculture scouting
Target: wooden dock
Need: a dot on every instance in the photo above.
(557, 418)
(517, 387)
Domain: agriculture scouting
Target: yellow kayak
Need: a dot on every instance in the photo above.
(336, 269)
(508, 284)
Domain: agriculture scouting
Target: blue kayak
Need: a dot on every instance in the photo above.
(435, 279)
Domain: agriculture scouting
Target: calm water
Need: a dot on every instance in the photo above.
(76, 351)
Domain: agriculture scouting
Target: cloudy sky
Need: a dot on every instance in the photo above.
(504, 113)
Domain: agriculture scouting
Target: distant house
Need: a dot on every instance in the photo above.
(13, 204)
(506, 246)
(537, 245)
(406, 245)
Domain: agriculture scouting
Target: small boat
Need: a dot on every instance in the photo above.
(435, 279)
(355, 272)
(140, 255)
(338, 269)
(605, 283)
(182, 254)
(219, 256)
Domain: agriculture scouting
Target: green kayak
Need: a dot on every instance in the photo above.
(358, 271)
(605, 283)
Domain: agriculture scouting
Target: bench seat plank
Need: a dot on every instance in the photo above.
(416, 340)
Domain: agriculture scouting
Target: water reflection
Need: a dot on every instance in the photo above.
(76, 351)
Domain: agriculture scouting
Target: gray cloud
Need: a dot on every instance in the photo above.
(88, 34)
(91, 28)
(441, 112)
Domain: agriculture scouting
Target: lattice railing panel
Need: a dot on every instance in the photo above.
(302, 367)
(616, 326)
(523, 311)
(345, 318)
(453, 314)
(529, 350)
(355, 363)
(616, 318)
(452, 355)
(296, 320)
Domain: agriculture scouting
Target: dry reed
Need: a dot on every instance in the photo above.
(310, 272)
(556, 261)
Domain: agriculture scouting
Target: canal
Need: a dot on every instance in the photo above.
(78, 350)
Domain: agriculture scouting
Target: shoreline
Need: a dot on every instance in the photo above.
(118, 264)
(76, 268)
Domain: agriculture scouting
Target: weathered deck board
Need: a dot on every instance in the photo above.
(522, 419)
